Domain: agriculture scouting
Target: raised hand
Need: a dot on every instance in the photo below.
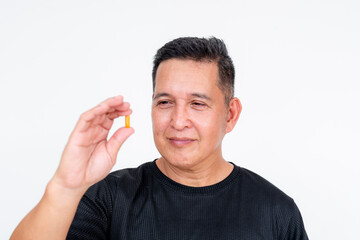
(88, 156)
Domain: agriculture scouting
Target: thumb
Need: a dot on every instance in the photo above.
(117, 139)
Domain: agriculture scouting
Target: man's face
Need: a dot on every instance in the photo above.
(189, 114)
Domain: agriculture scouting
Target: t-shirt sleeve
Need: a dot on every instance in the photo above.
(295, 229)
(93, 214)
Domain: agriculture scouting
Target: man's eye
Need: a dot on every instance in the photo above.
(163, 102)
(199, 105)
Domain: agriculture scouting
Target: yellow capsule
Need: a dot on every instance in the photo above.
(127, 121)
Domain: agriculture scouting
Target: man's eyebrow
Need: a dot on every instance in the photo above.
(200, 95)
(161, 95)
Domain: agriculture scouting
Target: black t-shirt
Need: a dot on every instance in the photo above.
(142, 203)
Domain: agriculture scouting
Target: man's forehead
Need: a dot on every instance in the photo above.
(177, 70)
(174, 64)
(186, 79)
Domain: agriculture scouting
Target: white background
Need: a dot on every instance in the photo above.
(297, 75)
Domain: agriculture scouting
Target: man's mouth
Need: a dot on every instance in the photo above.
(180, 141)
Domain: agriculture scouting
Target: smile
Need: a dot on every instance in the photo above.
(181, 141)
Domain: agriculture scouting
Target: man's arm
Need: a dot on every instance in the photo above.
(293, 225)
(87, 158)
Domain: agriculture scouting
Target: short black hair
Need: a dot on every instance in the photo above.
(200, 49)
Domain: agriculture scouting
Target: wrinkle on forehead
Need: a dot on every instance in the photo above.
(187, 79)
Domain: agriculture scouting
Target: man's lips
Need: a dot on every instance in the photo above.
(180, 141)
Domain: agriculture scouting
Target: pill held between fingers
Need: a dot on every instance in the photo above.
(127, 121)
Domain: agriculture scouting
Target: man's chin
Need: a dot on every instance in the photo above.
(183, 163)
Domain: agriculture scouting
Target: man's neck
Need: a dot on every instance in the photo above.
(209, 173)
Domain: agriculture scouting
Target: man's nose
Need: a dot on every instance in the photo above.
(180, 118)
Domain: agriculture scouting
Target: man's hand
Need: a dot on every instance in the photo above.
(88, 157)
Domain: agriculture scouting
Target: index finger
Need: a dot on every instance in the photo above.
(108, 106)
(111, 104)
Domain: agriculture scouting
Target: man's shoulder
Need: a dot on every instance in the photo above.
(264, 198)
(120, 182)
(128, 176)
(250, 177)
(133, 172)
(259, 188)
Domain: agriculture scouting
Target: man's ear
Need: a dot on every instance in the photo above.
(234, 111)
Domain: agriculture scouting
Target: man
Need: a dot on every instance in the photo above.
(190, 192)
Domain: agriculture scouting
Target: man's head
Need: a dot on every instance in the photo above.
(190, 112)
(200, 50)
